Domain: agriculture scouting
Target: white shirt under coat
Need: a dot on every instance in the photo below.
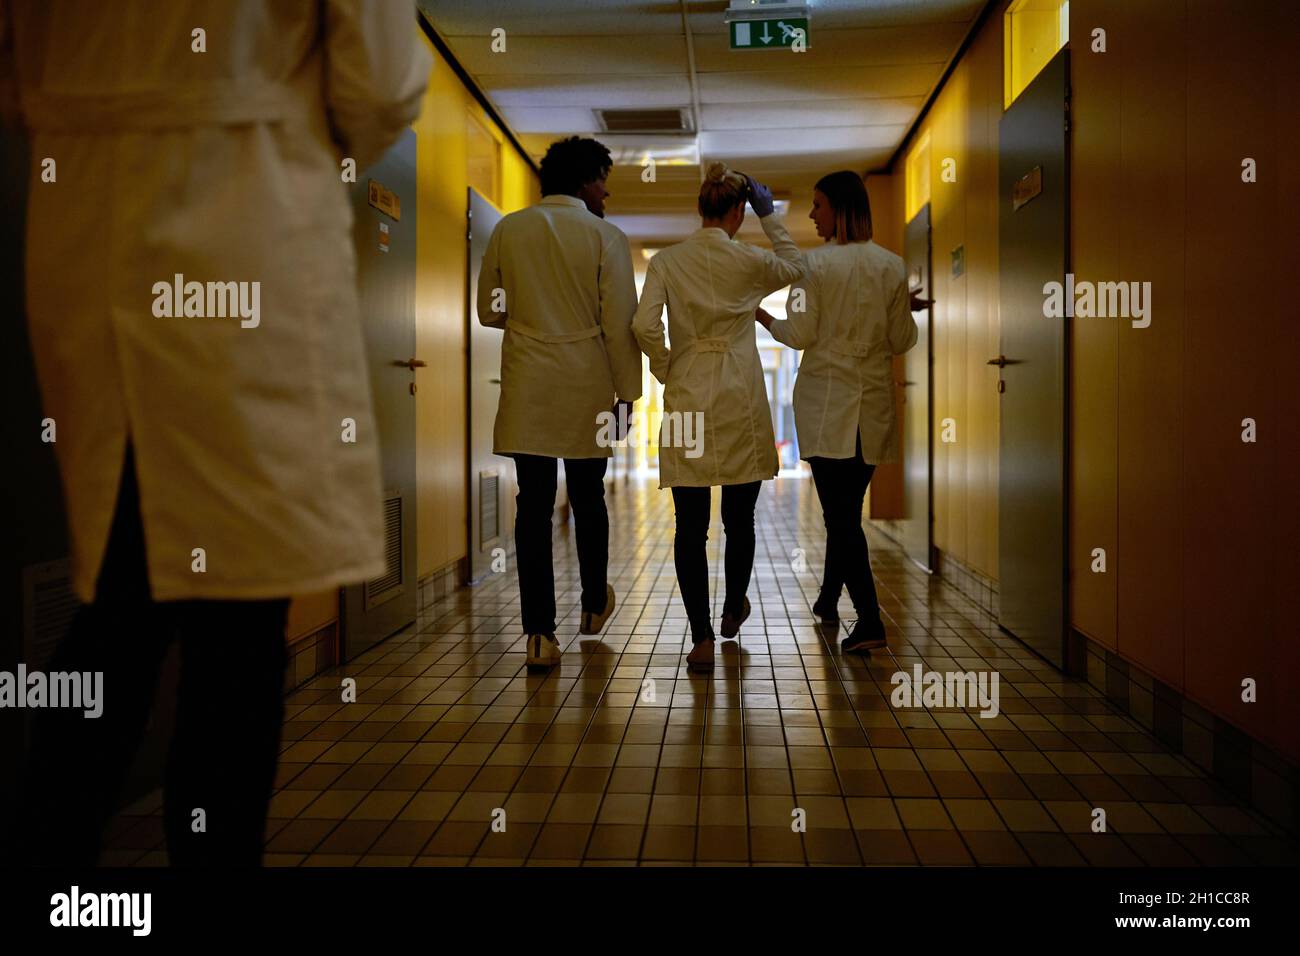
(712, 286)
(857, 316)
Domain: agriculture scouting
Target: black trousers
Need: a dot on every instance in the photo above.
(842, 487)
(585, 479)
(690, 554)
(229, 714)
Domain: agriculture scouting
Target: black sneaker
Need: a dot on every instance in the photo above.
(864, 637)
(827, 611)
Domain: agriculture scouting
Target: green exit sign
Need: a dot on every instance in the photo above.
(768, 34)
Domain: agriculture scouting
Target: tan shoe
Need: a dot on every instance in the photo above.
(593, 623)
(701, 656)
(731, 625)
(543, 650)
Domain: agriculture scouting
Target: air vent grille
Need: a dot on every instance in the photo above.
(644, 121)
(388, 584)
(49, 605)
(489, 508)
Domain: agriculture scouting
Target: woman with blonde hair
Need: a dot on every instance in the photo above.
(856, 316)
(717, 428)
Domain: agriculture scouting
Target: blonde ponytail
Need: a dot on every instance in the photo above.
(723, 189)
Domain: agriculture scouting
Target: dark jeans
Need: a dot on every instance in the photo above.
(229, 714)
(842, 487)
(585, 479)
(691, 557)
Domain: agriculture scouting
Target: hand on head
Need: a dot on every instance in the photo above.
(760, 198)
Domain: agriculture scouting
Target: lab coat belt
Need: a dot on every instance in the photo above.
(852, 349)
(221, 104)
(553, 338)
(711, 345)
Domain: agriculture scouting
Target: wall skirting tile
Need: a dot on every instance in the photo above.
(1249, 769)
(311, 655)
(438, 585)
(980, 588)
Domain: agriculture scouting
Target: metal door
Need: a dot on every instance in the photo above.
(384, 235)
(1032, 224)
(491, 479)
(914, 409)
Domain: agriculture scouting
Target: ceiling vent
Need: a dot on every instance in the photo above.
(644, 121)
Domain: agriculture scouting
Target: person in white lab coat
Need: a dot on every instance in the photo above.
(717, 429)
(856, 315)
(194, 320)
(557, 278)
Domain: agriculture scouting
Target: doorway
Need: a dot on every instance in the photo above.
(490, 479)
(384, 235)
(916, 525)
(1033, 194)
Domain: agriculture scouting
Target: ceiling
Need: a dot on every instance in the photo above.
(784, 117)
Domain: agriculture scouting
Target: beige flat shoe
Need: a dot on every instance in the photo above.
(731, 625)
(543, 650)
(701, 656)
(593, 623)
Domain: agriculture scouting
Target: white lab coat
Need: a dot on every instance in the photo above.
(221, 166)
(712, 286)
(569, 295)
(857, 316)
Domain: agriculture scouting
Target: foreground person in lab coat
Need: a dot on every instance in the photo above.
(717, 429)
(193, 310)
(857, 316)
(558, 279)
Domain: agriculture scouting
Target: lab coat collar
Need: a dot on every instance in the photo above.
(559, 199)
(711, 232)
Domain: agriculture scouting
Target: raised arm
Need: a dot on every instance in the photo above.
(786, 266)
(376, 71)
(617, 306)
(648, 325)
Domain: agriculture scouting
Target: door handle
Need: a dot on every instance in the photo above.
(904, 384)
(412, 364)
(494, 381)
(1002, 361)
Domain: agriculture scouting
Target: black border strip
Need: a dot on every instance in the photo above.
(976, 27)
(468, 81)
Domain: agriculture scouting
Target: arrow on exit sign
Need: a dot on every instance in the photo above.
(768, 34)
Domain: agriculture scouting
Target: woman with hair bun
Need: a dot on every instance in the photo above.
(856, 316)
(717, 428)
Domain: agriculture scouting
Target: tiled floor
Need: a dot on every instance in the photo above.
(620, 757)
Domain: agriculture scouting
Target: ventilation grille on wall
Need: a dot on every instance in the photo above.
(48, 609)
(489, 508)
(389, 584)
(643, 121)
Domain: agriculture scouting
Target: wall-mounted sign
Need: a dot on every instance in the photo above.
(770, 34)
(385, 200)
(1027, 187)
(959, 261)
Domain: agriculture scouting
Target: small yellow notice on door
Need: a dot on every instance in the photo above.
(385, 200)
